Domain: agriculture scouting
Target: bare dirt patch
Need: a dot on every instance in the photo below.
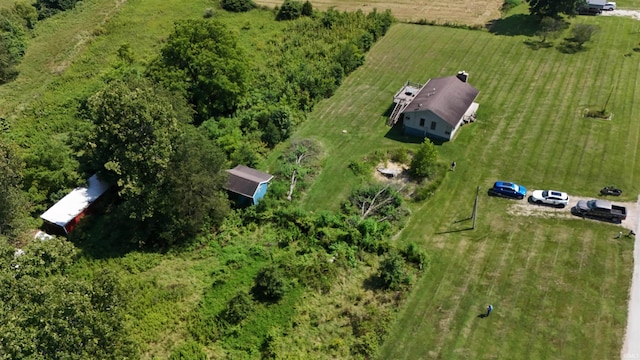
(470, 12)
(391, 167)
(526, 208)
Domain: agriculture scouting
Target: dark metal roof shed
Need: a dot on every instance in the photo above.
(244, 180)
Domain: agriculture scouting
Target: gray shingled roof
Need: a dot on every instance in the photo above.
(448, 97)
(245, 180)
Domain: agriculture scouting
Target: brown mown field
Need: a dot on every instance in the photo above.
(472, 12)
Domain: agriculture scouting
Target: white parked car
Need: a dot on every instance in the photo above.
(550, 197)
(609, 6)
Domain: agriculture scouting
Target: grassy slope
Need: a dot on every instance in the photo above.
(560, 285)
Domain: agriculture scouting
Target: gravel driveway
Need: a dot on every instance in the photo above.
(527, 208)
(628, 13)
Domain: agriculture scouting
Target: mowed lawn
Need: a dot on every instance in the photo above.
(559, 286)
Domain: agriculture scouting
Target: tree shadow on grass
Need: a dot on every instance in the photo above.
(517, 24)
(373, 282)
(537, 44)
(569, 46)
(98, 238)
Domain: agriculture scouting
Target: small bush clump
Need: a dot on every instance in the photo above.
(237, 5)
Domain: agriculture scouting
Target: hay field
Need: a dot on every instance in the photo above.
(471, 12)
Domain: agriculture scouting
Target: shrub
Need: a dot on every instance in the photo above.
(307, 9)
(424, 160)
(190, 350)
(400, 155)
(238, 308)
(237, 5)
(290, 10)
(414, 254)
(358, 167)
(392, 271)
(427, 189)
(317, 271)
(270, 284)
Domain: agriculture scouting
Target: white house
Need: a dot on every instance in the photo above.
(437, 109)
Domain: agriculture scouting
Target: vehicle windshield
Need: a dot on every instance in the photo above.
(545, 194)
(591, 204)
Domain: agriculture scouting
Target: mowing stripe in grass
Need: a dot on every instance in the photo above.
(529, 129)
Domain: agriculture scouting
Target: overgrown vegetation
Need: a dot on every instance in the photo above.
(55, 316)
(163, 135)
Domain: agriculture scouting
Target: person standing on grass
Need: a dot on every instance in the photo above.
(489, 310)
(453, 166)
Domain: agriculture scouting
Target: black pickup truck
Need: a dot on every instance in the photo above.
(602, 209)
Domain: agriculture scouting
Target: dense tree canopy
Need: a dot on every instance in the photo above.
(202, 61)
(169, 176)
(135, 124)
(12, 44)
(553, 8)
(47, 315)
(194, 195)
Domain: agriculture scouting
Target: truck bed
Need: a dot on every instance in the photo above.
(619, 211)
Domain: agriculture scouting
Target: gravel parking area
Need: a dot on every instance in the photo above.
(627, 13)
(527, 208)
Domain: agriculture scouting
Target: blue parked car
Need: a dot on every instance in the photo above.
(508, 189)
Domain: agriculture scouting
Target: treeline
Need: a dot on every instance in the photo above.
(15, 24)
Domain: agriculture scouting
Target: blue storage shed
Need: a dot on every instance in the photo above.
(246, 185)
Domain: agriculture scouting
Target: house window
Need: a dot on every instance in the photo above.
(422, 122)
(433, 125)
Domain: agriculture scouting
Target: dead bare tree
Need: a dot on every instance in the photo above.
(300, 160)
(381, 202)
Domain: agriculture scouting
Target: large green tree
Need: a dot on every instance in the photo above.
(202, 60)
(194, 195)
(553, 8)
(169, 176)
(135, 125)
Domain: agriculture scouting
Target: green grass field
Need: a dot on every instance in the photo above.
(559, 287)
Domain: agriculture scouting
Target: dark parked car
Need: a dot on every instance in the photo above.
(602, 209)
(508, 189)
